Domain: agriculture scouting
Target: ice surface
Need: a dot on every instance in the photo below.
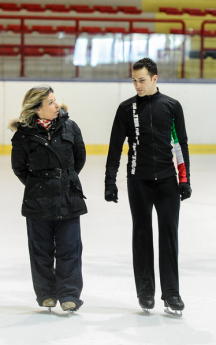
(110, 314)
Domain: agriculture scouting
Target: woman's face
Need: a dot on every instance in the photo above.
(49, 109)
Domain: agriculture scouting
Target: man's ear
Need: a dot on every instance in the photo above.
(155, 77)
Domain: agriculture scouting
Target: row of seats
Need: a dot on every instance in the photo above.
(190, 11)
(196, 54)
(10, 50)
(13, 7)
(49, 29)
(207, 33)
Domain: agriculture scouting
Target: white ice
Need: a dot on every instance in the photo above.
(110, 314)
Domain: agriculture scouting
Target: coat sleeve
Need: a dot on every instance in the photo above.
(19, 159)
(118, 135)
(79, 150)
(181, 144)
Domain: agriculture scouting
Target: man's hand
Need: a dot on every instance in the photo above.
(184, 190)
(111, 193)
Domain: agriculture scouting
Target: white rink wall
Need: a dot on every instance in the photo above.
(93, 105)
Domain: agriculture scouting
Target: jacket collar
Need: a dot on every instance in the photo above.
(147, 97)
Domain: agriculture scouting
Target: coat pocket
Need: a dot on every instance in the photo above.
(75, 185)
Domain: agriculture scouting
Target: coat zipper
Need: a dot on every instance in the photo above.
(152, 140)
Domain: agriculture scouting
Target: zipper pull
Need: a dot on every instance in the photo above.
(49, 137)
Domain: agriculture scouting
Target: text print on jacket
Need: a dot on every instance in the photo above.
(49, 168)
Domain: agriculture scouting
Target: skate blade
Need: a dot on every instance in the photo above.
(70, 312)
(146, 311)
(175, 313)
(49, 310)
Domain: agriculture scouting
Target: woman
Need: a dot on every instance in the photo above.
(48, 153)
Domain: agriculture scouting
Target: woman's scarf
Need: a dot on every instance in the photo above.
(45, 123)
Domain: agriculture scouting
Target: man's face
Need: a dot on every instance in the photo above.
(143, 83)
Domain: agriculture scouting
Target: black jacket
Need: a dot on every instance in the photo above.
(154, 126)
(49, 169)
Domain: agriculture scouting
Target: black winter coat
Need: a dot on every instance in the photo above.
(49, 169)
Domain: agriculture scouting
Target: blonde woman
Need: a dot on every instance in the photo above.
(48, 153)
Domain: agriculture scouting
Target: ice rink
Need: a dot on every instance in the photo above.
(111, 314)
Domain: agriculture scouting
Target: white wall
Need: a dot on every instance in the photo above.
(93, 105)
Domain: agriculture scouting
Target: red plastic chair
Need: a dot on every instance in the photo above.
(33, 7)
(57, 8)
(9, 7)
(211, 11)
(105, 9)
(33, 52)
(81, 8)
(9, 51)
(115, 30)
(17, 28)
(54, 51)
(129, 9)
(66, 29)
(142, 31)
(170, 10)
(92, 29)
(44, 29)
(194, 11)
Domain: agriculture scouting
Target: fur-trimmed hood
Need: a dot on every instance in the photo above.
(14, 123)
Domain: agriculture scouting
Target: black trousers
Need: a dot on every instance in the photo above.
(164, 195)
(56, 239)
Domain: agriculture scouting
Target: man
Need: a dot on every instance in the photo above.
(154, 125)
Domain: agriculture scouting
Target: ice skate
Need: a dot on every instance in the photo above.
(146, 302)
(49, 303)
(174, 306)
(69, 307)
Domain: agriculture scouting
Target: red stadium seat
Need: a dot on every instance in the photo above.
(142, 31)
(211, 11)
(10, 7)
(57, 8)
(44, 29)
(81, 8)
(33, 7)
(191, 32)
(92, 29)
(2, 28)
(17, 28)
(170, 10)
(54, 51)
(194, 11)
(105, 9)
(115, 30)
(66, 29)
(129, 9)
(9, 51)
(33, 52)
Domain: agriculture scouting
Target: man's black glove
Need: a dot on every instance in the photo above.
(111, 193)
(184, 190)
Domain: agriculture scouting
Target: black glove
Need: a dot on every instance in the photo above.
(184, 190)
(111, 193)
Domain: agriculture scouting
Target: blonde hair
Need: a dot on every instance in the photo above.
(32, 102)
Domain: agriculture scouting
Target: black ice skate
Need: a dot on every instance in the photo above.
(174, 306)
(146, 302)
(69, 307)
(49, 303)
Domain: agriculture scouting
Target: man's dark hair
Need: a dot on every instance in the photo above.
(149, 64)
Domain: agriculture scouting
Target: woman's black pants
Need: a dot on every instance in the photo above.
(164, 195)
(55, 250)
